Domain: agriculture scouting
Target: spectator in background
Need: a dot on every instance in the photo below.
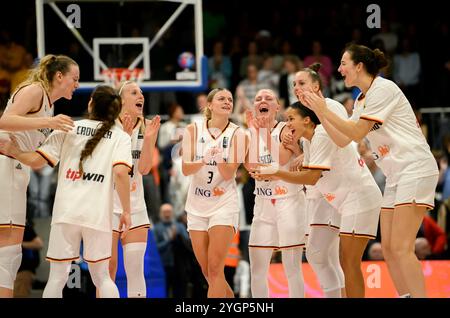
(252, 58)
(291, 65)
(172, 240)
(268, 74)
(407, 71)
(169, 135)
(201, 100)
(232, 261)
(326, 70)
(246, 92)
(219, 68)
(40, 191)
(431, 240)
(389, 38)
(348, 103)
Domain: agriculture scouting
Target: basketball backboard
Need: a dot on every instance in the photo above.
(164, 39)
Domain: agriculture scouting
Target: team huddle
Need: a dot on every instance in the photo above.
(312, 189)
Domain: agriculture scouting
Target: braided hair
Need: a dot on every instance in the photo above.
(106, 106)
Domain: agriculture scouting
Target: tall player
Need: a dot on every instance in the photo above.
(29, 117)
(94, 158)
(385, 116)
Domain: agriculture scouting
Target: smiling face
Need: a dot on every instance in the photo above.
(132, 99)
(67, 83)
(304, 83)
(296, 123)
(221, 104)
(266, 104)
(349, 70)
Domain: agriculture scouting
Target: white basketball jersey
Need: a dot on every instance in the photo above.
(343, 171)
(137, 200)
(398, 144)
(274, 189)
(86, 199)
(208, 191)
(30, 140)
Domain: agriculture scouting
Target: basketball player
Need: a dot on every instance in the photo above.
(143, 134)
(359, 224)
(212, 152)
(384, 115)
(94, 158)
(28, 117)
(279, 211)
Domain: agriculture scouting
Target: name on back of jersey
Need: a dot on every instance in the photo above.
(88, 131)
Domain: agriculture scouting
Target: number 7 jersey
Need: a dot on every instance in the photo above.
(208, 191)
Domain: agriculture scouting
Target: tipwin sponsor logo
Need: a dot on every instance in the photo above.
(75, 175)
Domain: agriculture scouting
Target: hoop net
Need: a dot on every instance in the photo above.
(113, 76)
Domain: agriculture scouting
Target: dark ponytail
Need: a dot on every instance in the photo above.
(106, 106)
(305, 112)
(373, 60)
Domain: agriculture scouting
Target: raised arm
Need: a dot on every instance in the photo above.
(237, 156)
(28, 100)
(189, 166)
(309, 177)
(148, 146)
(349, 129)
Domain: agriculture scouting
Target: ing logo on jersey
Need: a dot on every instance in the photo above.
(265, 192)
(133, 186)
(383, 150)
(329, 197)
(216, 192)
(280, 190)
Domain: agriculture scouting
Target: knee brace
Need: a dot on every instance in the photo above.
(10, 259)
(316, 255)
(133, 257)
(101, 279)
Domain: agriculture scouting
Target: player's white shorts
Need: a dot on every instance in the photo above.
(223, 216)
(65, 239)
(14, 179)
(420, 190)
(363, 224)
(320, 213)
(139, 220)
(278, 223)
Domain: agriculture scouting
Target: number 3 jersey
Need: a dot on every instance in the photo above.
(208, 191)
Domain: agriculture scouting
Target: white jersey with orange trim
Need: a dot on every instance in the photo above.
(208, 191)
(30, 140)
(398, 144)
(343, 170)
(87, 199)
(137, 200)
(276, 189)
